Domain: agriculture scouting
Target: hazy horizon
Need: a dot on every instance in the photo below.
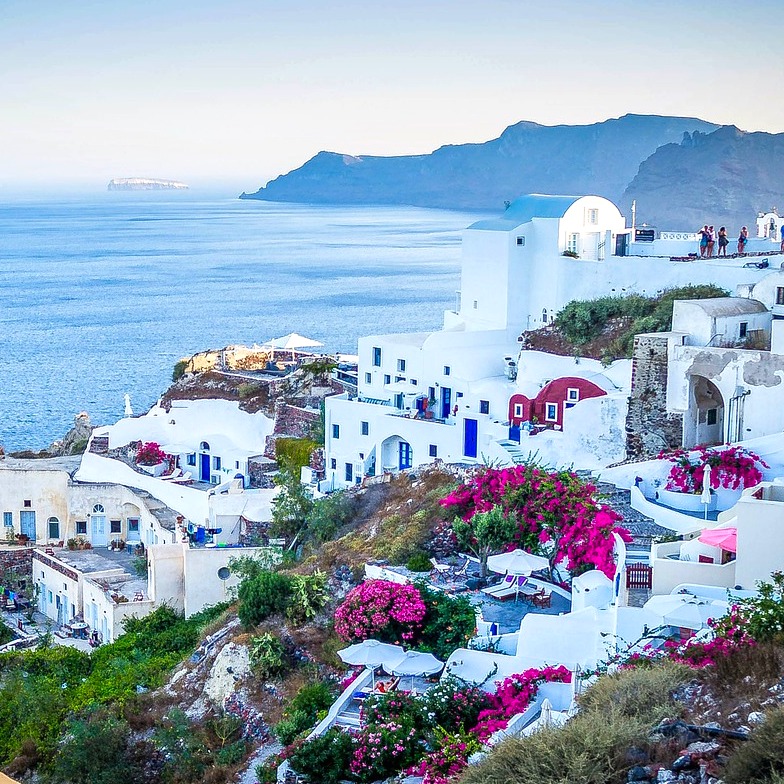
(245, 91)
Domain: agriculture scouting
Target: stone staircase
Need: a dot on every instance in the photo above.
(517, 454)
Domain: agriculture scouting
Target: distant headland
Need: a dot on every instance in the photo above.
(145, 184)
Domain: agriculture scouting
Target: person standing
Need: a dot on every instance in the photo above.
(743, 239)
(723, 242)
(703, 240)
(711, 241)
(781, 248)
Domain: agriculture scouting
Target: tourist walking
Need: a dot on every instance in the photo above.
(743, 239)
(782, 238)
(703, 232)
(723, 241)
(711, 241)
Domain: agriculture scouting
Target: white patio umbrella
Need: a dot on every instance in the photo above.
(685, 610)
(705, 498)
(415, 663)
(516, 562)
(371, 653)
(292, 341)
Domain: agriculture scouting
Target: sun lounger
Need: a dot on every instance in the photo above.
(512, 589)
(492, 590)
(176, 474)
(186, 478)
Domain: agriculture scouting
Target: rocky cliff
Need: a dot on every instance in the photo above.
(720, 178)
(527, 158)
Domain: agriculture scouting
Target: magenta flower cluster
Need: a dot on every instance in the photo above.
(380, 609)
(732, 467)
(550, 508)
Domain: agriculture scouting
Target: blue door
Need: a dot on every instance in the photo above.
(27, 524)
(204, 473)
(469, 437)
(405, 455)
(446, 402)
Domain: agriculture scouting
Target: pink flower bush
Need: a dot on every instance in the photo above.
(514, 695)
(150, 454)
(552, 509)
(380, 609)
(732, 467)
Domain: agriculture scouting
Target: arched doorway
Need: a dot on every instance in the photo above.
(396, 454)
(204, 462)
(704, 423)
(98, 534)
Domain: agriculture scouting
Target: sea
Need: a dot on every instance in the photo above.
(100, 294)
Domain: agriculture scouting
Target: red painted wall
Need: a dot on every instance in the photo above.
(554, 392)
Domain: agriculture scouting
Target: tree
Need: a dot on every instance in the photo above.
(291, 506)
(485, 533)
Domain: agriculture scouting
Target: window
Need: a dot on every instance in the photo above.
(458, 394)
(713, 416)
(335, 431)
(780, 295)
(413, 382)
(216, 464)
(744, 328)
(521, 240)
(399, 400)
(54, 528)
(191, 460)
(544, 316)
(376, 356)
(364, 428)
(81, 526)
(115, 526)
(447, 370)
(398, 379)
(368, 378)
(98, 509)
(572, 395)
(551, 412)
(133, 525)
(8, 519)
(518, 410)
(27, 504)
(349, 472)
(484, 406)
(431, 393)
(476, 304)
(333, 464)
(401, 366)
(572, 242)
(433, 450)
(387, 378)
(592, 216)
(237, 464)
(205, 447)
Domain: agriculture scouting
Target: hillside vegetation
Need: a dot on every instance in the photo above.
(604, 328)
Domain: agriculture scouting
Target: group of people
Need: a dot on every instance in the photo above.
(708, 238)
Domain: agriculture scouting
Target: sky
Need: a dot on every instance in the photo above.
(240, 91)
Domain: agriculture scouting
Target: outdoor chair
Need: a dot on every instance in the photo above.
(542, 599)
(185, 479)
(504, 585)
(463, 570)
(439, 571)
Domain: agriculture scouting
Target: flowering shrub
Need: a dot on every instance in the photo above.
(762, 617)
(450, 757)
(514, 695)
(732, 467)
(554, 511)
(380, 609)
(453, 706)
(383, 749)
(150, 454)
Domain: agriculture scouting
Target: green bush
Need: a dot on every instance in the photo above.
(307, 596)
(448, 624)
(294, 453)
(760, 759)
(419, 562)
(244, 391)
(266, 594)
(293, 724)
(232, 754)
(329, 514)
(325, 758)
(179, 369)
(267, 655)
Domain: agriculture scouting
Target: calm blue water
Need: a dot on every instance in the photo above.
(100, 296)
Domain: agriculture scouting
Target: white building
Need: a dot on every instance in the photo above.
(454, 394)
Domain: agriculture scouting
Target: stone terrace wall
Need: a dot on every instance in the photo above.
(20, 559)
(649, 427)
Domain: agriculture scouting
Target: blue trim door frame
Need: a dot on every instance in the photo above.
(470, 432)
(204, 467)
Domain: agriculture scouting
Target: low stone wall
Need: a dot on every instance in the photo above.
(18, 559)
(260, 472)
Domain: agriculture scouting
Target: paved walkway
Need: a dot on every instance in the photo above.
(39, 627)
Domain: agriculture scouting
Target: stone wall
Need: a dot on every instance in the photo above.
(18, 559)
(255, 533)
(290, 422)
(649, 427)
(100, 445)
(260, 471)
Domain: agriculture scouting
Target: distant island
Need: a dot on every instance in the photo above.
(145, 184)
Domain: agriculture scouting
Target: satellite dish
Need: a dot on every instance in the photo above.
(224, 573)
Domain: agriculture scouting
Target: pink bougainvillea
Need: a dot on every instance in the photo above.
(150, 454)
(732, 467)
(551, 508)
(381, 609)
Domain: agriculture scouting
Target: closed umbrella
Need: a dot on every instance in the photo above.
(371, 653)
(726, 538)
(415, 663)
(705, 498)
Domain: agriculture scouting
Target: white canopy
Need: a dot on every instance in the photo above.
(517, 562)
(371, 653)
(415, 663)
(291, 341)
(685, 610)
